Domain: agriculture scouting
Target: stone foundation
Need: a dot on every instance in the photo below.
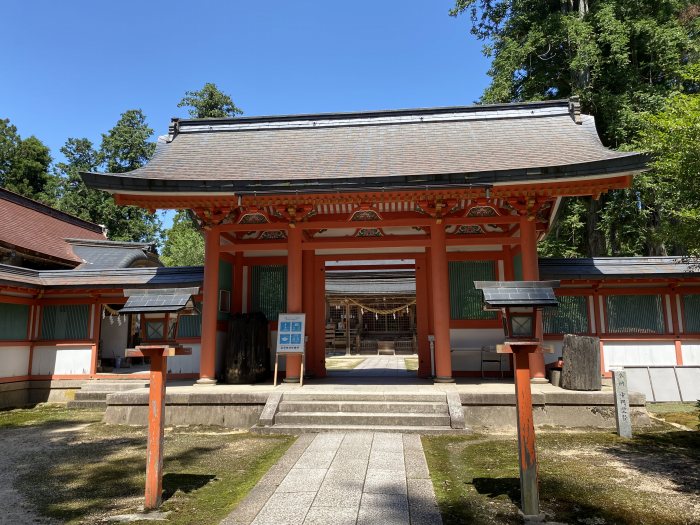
(26, 393)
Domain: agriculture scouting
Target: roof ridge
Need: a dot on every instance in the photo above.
(50, 211)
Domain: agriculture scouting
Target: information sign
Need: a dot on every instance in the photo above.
(290, 333)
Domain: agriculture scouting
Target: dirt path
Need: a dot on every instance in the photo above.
(20, 445)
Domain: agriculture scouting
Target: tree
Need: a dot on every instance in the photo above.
(124, 148)
(624, 58)
(184, 245)
(209, 102)
(24, 165)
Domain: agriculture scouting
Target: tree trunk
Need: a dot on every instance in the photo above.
(596, 239)
(581, 370)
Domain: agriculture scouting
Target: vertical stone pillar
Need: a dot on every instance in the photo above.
(531, 272)
(441, 303)
(294, 294)
(210, 308)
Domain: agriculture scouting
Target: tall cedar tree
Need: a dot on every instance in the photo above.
(124, 148)
(624, 58)
(24, 165)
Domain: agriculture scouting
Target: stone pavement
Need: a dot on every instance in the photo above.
(381, 366)
(344, 479)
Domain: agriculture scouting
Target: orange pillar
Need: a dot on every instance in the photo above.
(422, 317)
(531, 272)
(320, 315)
(307, 296)
(210, 308)
(156, 422)
(441, 303)
(294, 294)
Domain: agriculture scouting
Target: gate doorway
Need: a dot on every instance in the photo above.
(371, 328)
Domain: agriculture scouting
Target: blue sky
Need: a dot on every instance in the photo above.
(69, 68)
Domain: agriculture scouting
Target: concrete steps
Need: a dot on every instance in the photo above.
(93, 394)
(296, 412)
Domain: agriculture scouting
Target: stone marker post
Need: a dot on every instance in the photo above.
(622, 404)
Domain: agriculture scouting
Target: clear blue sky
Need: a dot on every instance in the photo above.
(69, 68)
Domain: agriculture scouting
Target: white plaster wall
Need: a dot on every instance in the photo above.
(14, 361)
(466, 346)
(186, 364)
(691, 353)
(644, 353)
(62, 360)
(113, 338)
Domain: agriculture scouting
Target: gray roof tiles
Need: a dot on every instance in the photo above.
(453, 146)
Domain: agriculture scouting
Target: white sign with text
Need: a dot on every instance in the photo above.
(290, 333)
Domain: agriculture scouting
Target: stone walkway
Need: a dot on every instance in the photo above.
(380, 366)
(344, 479)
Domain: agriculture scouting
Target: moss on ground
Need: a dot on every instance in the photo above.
(686, 414)
(343, 363)
(411, 363)
(592, 477)
(86, 473)
(45, 413)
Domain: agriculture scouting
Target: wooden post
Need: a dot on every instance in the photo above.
(527, 454)
(210, 308)
(347, 327)
(441, 304)
(294, 294)
(156, 416)
(156, 424)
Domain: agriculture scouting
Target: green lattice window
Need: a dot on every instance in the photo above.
(65, 322)
(465, 301)
(635, 314)
(269, 290)
(691, 313)
(190, 325)
(13, 321)
(570, 317)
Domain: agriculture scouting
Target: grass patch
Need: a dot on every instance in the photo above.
(686, 414)
(96, 471)
(411, 363)
(45, 413)
(343, 363)
(592, 477)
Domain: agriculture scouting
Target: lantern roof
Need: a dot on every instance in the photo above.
(171, 300)
(502, 294)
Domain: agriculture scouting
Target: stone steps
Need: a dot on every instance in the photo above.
(294, 412)
(93, 394)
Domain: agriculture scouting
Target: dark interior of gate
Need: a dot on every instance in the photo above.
(371, 321)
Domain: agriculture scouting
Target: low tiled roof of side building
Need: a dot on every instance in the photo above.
(36, 229)
(497, 144)
(619, 268)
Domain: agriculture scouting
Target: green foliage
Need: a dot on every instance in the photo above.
(124, 148)
(184, 244)
(624, 58)
(24, 165)
(209, 102)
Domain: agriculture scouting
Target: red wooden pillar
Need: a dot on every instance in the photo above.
(210, 308)
(294, 294)
(441, 303)
(307, 296)
(319, 315)
(529, 491)
(422, 316)
(531, 272)
(156, 423)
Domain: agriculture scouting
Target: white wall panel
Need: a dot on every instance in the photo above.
(186, 364)
(466, 346)
(113, 338)
(644, 353)
(14, 360)
(691, 352)
(61, 360)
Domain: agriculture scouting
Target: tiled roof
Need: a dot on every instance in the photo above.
(498, 294)
(388, 149)
(358, 282)
(619, 267)
(31, 227)
(102, 255)
(112, 278)
(158, 301)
